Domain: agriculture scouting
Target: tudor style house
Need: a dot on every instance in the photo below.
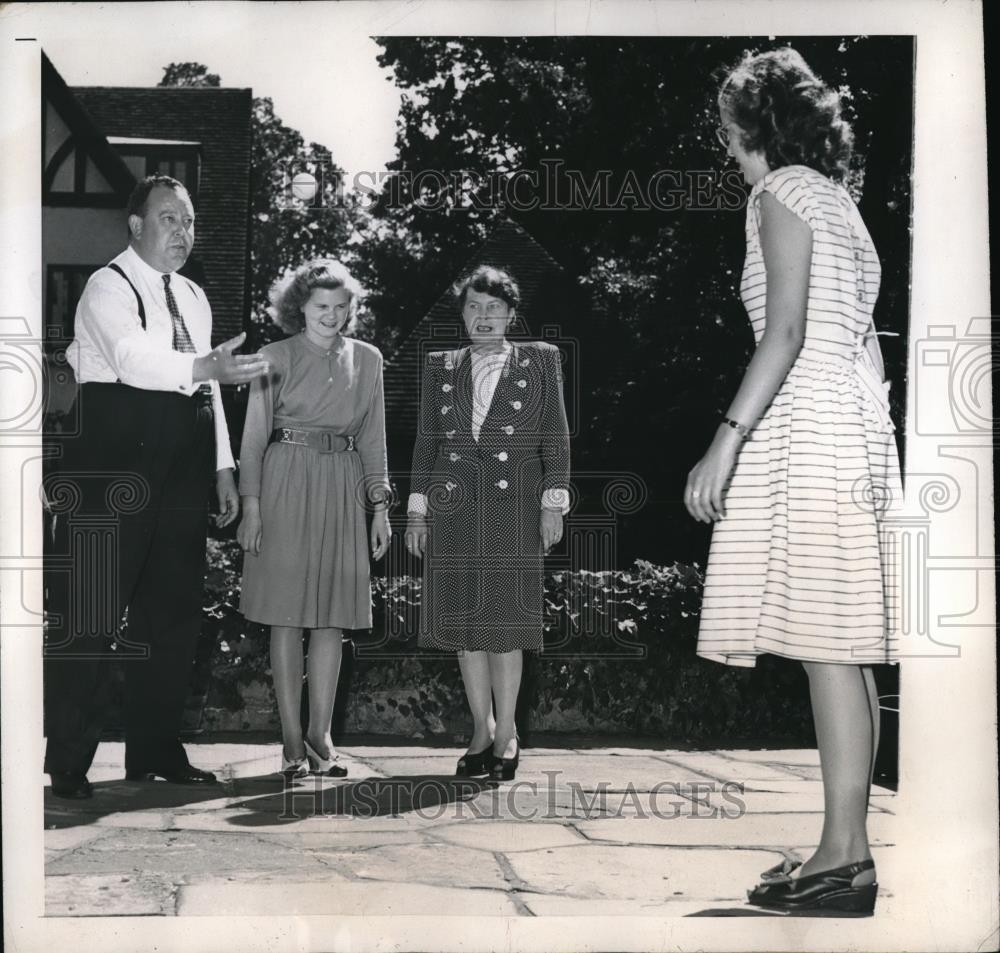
(96, 143)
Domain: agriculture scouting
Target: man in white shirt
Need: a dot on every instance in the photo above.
(129, 501)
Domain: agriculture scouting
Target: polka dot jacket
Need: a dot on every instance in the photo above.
(483, 566)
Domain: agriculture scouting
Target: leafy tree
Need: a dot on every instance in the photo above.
(188, 74)
(285, 231)
(663, 336)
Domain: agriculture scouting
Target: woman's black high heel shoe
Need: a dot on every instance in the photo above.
(472, 764)
(505, 768)
(829, 891)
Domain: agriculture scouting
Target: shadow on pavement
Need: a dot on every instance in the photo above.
(276, 803)
(757, 912)
(114, 797)
(734, 912)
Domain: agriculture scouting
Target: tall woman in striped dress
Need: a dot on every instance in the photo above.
(803, 467)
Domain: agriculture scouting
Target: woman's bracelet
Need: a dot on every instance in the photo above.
(741, 429)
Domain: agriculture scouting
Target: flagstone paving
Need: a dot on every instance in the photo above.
(613, 830)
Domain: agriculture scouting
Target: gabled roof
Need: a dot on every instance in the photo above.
(508, 247)
(86, 132)
(220, 121)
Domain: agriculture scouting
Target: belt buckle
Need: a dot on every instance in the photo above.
(327, 442)
(350, 442)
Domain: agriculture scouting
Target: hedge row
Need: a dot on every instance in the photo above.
(619, 656)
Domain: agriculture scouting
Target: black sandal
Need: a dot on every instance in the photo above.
(780, 871)
(827, 891)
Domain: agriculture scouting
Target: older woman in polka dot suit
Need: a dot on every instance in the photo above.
(490, 487)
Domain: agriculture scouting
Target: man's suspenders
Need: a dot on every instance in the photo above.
(138, 299)
(135, 291)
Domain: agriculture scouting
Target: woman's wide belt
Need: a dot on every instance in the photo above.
(325, 441)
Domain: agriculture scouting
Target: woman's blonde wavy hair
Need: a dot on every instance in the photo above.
(290, 293)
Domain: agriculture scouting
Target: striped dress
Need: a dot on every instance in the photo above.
(800, 566)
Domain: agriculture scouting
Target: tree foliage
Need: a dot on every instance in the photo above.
(285, 231)
(663, 335)
(619, 657)
(288, 232)
(188, 74)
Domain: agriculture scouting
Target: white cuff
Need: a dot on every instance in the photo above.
(556, 498)
(188, 385)
(208, 380)
(417, 503)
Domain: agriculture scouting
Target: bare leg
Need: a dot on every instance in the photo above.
(842, 713)
(876, 716)
(505, 673)
(326, 649)
(476, 677)
(286, 672)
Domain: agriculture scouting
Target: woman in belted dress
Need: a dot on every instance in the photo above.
(312, 458)
(490, 483)
(803, 470)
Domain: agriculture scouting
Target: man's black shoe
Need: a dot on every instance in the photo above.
(69, 784)
(185, 775)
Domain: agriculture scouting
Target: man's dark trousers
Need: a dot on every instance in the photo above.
(130, 499)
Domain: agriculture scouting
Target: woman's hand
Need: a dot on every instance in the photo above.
(706, 483)
(416, 534)
(229, 499)
(550, 527)
(249, 531)
(381, 533)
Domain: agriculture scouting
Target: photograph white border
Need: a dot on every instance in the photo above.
(945, 861)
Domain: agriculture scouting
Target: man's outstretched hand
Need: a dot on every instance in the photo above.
(224, 366)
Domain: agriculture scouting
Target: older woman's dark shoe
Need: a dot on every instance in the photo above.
(830, 891)
(474, 764)
(504, 769)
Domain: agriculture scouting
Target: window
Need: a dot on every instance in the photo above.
(180, 160)
(64, 286)
(70, 175)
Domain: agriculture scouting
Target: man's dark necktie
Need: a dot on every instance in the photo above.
(181, 339)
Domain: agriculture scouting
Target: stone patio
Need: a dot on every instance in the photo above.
(585, 830)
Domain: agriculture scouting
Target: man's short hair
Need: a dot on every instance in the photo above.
(140, 194)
